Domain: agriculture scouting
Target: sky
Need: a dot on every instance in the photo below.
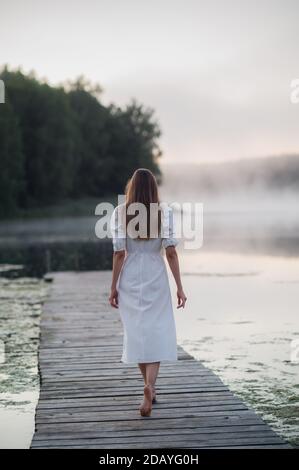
(216, 72)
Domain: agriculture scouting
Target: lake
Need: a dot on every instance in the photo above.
(241, 317)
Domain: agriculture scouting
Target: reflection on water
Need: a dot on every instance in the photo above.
(241, 318)
(70, 243)
(20, 307)
(58, 244)
(242, 286)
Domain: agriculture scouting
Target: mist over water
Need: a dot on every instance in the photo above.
(242, 287)
(241, 317)
(231, 187)
(255, 218)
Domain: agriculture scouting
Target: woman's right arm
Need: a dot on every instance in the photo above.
(173, 261)
(118, 261)
(119, 251)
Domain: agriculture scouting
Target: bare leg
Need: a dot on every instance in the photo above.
(142, 368)
(152, 370)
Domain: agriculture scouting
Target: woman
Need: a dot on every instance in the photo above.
(140, 285)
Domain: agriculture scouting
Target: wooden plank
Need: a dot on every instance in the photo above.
(139, 425)
(119, 392)
(107, 382)
(195, 397)
(149, 432)
(89, 399)
(133, 405)
(170, 443)
(198, 437)
(109, 414)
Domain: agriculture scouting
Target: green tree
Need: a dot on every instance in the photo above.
(93, 175)
(11, 161)
(47, 132)
(133, 134)
(61, 142)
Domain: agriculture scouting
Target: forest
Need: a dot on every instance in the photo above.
(61, 143)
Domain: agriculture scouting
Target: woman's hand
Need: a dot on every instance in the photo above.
(113, 299)
(181, 298)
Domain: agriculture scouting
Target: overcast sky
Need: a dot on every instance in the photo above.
(217, 72)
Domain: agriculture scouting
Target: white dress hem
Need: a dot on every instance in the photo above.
(147, 361)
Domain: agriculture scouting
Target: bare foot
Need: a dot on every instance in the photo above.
(146, 405)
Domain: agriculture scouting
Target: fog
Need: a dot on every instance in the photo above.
(254, 185)
(248, 206)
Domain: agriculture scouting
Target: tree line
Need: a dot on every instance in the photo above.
(61, 142)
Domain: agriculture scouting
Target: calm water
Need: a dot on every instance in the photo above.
(20, 307)
(241, 318)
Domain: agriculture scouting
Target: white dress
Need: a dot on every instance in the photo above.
(144, 296)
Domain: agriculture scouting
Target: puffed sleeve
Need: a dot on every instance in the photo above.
(117, 226)
(168, 233)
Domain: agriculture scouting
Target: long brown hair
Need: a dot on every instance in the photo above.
(142, 187)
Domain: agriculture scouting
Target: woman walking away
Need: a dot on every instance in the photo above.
(140, 286)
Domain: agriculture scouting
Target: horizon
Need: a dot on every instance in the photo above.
(233, 161)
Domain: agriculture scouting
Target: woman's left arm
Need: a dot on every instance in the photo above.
(118, 261)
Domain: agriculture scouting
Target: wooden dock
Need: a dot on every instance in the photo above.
(89, 399)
